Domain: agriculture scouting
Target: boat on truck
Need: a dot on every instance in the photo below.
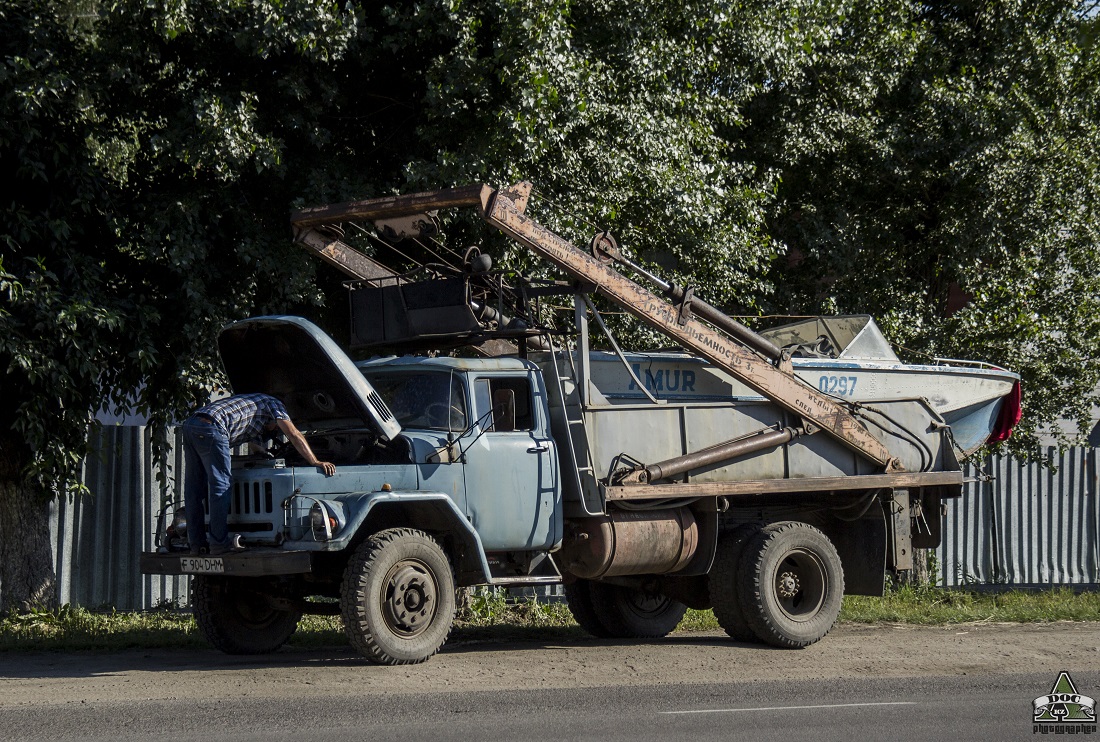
(844, 356)
(488, 443)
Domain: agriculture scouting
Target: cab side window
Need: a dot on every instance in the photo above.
(510, 401)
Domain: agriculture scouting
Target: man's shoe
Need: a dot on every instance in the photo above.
(234, 545)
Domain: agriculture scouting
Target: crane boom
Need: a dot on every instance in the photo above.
(783, 388)
(504, 209)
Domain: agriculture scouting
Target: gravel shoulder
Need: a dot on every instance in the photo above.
(37, 679)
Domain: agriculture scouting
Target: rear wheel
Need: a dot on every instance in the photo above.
(578, 596)
(398, 597)
(627, 612)
(792, 584)
(725, 583)
(238, 616)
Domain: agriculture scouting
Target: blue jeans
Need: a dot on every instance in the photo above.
(208, 477)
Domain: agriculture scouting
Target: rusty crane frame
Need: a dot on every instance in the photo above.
(751, 359)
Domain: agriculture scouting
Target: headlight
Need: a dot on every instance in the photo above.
(322, 522)
(178, 526)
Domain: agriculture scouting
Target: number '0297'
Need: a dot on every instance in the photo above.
(842, 386)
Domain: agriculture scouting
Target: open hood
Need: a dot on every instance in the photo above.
(291, 359)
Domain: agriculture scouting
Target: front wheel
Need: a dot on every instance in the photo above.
(398, 597)
(239, 616)
(792, 584)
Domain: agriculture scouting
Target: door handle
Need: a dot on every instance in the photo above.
(540, 448)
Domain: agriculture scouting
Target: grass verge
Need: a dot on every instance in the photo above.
(490, 616)
(932, 606)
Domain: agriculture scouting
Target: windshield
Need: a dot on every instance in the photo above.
(433, 400)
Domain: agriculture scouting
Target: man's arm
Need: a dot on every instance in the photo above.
(299, 441)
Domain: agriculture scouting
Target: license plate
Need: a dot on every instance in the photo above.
(201, 565)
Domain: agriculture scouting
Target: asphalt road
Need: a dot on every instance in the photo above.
(882, 683)
(930, 708)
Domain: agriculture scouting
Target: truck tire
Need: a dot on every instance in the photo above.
(630, 613)
(398, 597)
(724, 583)
(792, 584)
(236, 616)
(578, 596)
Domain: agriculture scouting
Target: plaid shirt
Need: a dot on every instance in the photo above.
(244, 416)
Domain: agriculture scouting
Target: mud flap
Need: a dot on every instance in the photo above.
(861, 545)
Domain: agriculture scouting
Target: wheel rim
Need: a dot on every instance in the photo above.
(646, 605)
(800, 585)
(408, 598)
(253, 611)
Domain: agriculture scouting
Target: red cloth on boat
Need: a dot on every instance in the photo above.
(1010, 414)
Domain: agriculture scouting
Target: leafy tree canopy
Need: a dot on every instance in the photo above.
(938, 169)
(148, 152)
(157, 151)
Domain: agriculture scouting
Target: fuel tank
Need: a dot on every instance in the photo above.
(630, 543)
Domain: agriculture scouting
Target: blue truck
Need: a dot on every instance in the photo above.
(722, 474)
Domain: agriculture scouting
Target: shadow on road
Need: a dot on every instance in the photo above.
(464, 641)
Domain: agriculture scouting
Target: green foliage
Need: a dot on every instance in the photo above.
(945, 149)
(697, 620)
(611, 108)
(492, 606)
(931, 155)
(70, 628)
(934, 606)
(149, 151)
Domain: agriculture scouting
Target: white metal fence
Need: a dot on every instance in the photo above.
(1027, 526)
(98, 538)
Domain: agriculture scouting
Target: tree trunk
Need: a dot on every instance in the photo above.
(919, 574)
(27, 577)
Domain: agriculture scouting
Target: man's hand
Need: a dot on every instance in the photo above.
(302, 445)
(259, 450)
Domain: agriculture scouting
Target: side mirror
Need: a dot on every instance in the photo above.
(448, 454)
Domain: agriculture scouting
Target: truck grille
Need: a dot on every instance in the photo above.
(252, 498)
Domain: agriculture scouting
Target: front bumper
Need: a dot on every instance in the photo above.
(256, 562)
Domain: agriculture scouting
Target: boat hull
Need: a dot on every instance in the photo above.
(967, 398)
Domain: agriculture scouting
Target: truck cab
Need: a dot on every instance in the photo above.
(459, 448)
(479, 430)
